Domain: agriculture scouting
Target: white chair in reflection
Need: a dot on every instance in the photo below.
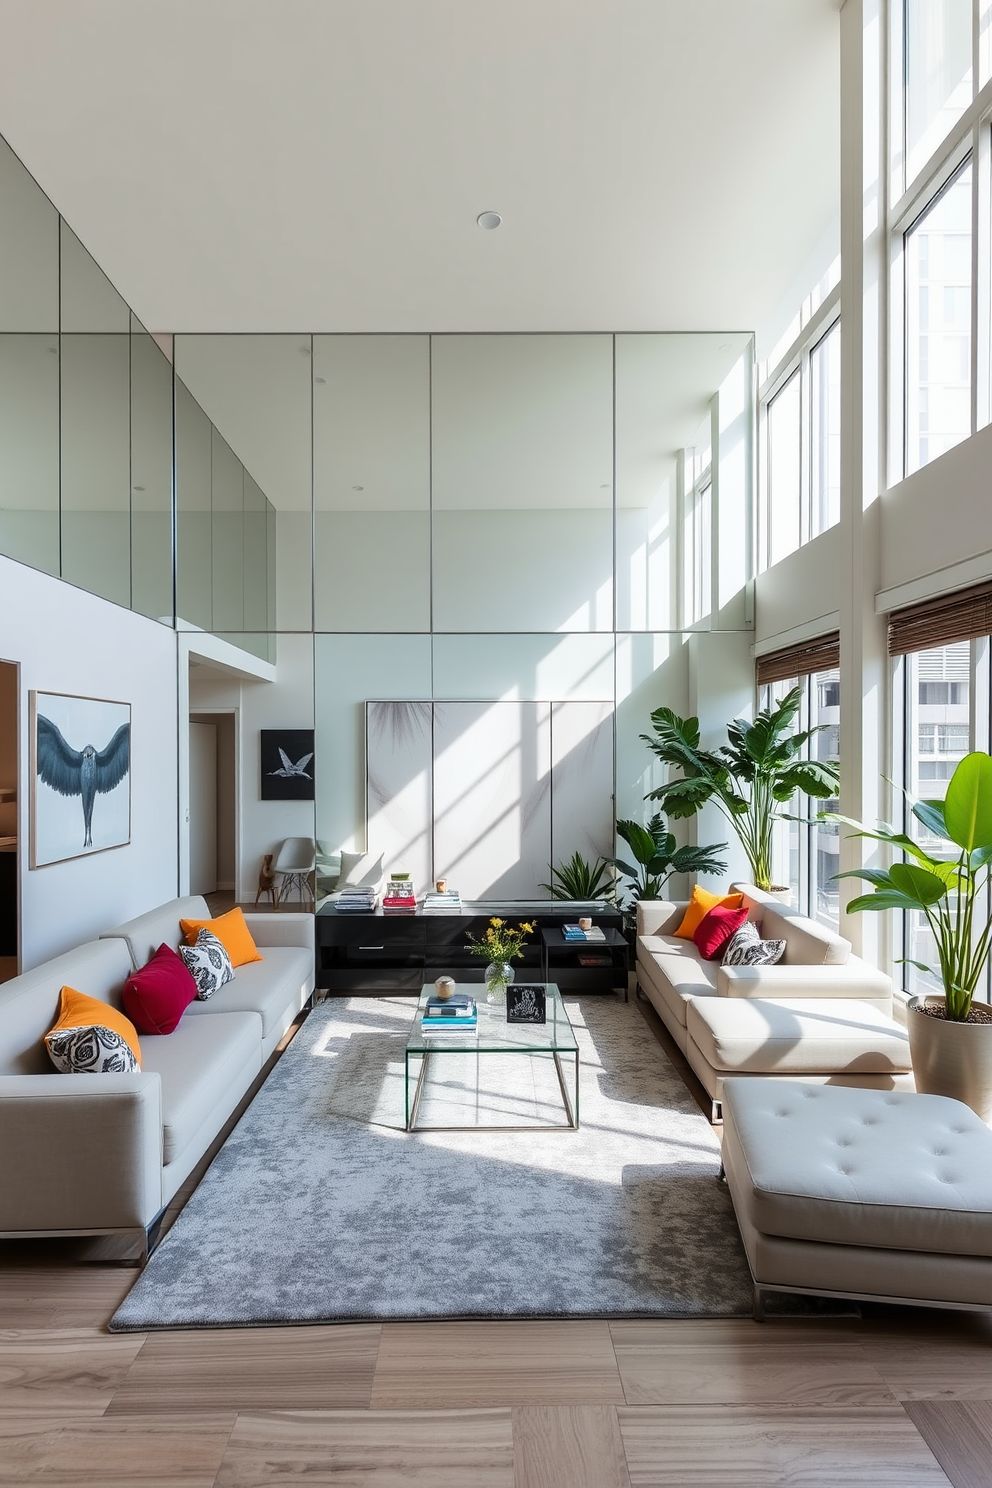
(294, 869)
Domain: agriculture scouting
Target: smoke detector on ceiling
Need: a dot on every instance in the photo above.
(489, 220)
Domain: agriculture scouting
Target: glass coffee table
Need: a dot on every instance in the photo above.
(491, 1038)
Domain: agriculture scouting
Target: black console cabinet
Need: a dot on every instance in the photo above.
(379, 952)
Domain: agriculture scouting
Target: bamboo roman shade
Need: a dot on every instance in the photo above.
(938, 622)
(798, 661)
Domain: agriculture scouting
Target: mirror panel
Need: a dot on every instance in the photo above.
(194, 562)
(29, 250)
(29, 449)
(96, 464)
(227, 545)
(89, 300)
(151, 478)
(522, 449)
(256, 391)
(372, 482)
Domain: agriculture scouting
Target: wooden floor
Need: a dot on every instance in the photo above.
(898, 1398)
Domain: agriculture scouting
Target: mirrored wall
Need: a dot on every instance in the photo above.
(87, 447)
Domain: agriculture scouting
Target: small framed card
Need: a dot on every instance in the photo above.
(526, 1004)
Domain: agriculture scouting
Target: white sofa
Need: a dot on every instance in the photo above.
(101, 1154)
(820, 1014)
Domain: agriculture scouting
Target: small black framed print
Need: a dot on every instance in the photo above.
(526, 1004)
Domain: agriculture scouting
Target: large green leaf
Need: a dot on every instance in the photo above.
(931, 814)
(638, 839)
(882, 899)
(917, 883)
(968, 802)
(877, 876)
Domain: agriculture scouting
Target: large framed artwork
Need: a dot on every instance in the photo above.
(80, 776)
(287, 772)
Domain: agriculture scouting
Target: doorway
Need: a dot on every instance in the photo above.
(9, 777)
(213, 795)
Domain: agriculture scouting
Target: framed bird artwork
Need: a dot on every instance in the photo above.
(80, 776)
(287, 760)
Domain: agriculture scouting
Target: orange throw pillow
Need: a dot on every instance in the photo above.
(78, 1010)
(232, 932)
(700, 904)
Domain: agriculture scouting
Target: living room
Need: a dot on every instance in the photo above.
(449, 507)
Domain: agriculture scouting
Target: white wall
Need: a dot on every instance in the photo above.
(939, 518)
(801, 590)
(70, 641)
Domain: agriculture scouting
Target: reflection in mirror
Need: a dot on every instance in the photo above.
(29, 449)
(29, 250)
(665, 388)
(256, 392)
(227, 544)
(151, 478)
(96, 464)
(522, 444)
(371, 434)
(89, 301)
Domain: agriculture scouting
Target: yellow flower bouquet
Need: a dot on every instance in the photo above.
(501, 942)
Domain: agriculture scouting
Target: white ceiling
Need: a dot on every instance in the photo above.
(298, 165)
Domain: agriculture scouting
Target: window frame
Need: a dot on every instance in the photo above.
(796, 359)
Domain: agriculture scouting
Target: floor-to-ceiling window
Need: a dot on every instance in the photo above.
(806, 848)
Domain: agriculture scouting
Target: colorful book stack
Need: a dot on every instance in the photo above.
(454, 1015)
(356, 901)
(439, 903)
(576, 933)
(400, 897)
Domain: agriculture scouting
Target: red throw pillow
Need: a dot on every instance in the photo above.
(156, 997)
(715, 929)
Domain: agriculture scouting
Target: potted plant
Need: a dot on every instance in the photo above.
(580, 880)
(501, 944)
(657, 857)
(750, 778)
(950, 1036)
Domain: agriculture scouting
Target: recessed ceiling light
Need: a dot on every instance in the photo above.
(724, 345)
(489, 220)
(358, 488)
(320, 379)
(137, 488)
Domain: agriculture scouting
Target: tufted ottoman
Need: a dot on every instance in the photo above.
(877, 1194)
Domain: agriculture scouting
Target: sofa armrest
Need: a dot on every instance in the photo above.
(660, 916)
(279, 929)
(854, 979)
(80, 1152)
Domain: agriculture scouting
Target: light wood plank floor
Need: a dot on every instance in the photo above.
(898, 1398)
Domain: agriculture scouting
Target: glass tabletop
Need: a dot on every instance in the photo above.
(492, 1033)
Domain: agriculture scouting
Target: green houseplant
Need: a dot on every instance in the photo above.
(579, 879)
(750, 778)
(656, 857)
(950, 1036)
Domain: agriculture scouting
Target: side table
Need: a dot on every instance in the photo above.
(561, 957)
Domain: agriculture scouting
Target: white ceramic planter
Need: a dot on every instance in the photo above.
(951, 1058)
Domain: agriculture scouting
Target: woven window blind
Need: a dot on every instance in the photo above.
(938, 622)
(799, 661)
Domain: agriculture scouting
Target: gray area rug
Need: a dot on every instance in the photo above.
(320, 1206)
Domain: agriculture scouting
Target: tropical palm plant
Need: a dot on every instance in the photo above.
(657, 857)
(579, 879)
(759, 770)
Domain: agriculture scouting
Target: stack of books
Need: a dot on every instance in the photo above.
(435, 903)
(576, 933)
(357, 900)
(454, 1015)
(400, 897)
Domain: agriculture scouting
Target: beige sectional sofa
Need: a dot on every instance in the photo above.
(100, 1154)
(819, 1014)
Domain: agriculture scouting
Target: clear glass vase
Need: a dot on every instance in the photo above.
(499, 974)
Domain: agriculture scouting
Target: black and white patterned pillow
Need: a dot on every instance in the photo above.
(746, 948)
(91, 1051)
(209, 964)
